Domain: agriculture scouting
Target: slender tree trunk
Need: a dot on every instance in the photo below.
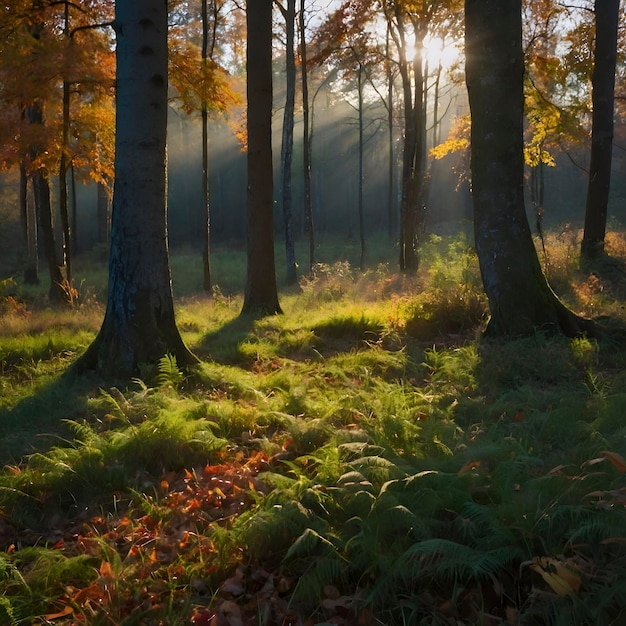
(391, 165)
(29, 231)
(43, 209)
(306, 146)
(286, 157)
(103, 201)
(359, 77)
(412, 161)
(75, 248)
(261, 295)
(139, 325)
(206, 231)
(66, 247)
(66, 254)
(520, 299)
(603, 101)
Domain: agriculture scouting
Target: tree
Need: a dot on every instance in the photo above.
(37, 136)
(261, 294)
(603, 102)
(520, 299)
(139, 324)
(409, 24)
(286, 156)
(201, 84)
(306, 139)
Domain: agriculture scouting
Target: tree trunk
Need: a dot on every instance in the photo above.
(43, 210)
(66, 238)
(261, 295)
(29, 231)
(66, 246)
(603, 101)
(139, 325)
(306, 141)
(391, 161)
(286, 156)
(520, 299)
(103, 201)
(412, 162)
(359, 77)
(206, 230)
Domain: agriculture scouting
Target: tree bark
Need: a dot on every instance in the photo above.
(139, 325)
(520, 299)
(261, 294)
(603, 102)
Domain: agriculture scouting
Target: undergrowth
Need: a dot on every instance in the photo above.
(363, 459)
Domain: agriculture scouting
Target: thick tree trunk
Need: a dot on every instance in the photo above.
(261, 295)
(286, 156)
(603, 101)
(139, 325)
(520, 299)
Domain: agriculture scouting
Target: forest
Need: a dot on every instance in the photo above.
(312, 312)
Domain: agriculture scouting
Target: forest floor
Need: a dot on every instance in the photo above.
(365, 458)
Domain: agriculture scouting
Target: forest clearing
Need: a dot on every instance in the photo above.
(364, 458)
(413, 414)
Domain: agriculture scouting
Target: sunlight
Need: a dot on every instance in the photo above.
(437, 51)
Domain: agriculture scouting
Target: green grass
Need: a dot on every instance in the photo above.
(365, 456)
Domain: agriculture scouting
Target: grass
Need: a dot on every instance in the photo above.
(364, 458)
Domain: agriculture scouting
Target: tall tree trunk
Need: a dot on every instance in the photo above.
(29, 231)
(43, 209)
(66, 246)
(75, 248)
(261, 295)
(359, 77)
(206, 231)
(306, 140)
(139, 324)
(603, 102)
(412, 161)
(391, 165)
(520, 299)
(66, 238)
(286, 156)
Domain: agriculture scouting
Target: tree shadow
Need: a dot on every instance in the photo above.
(36, 422)
(611, 270)
(223, 345)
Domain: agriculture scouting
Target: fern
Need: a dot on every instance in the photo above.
(169, 374)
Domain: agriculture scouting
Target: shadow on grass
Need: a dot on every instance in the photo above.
(36, 422)
(223, 345)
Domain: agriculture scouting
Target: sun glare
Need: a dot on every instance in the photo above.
(437, 51)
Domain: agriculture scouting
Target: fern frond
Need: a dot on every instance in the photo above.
(376, 469)
(82, 431)
(169, 374)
